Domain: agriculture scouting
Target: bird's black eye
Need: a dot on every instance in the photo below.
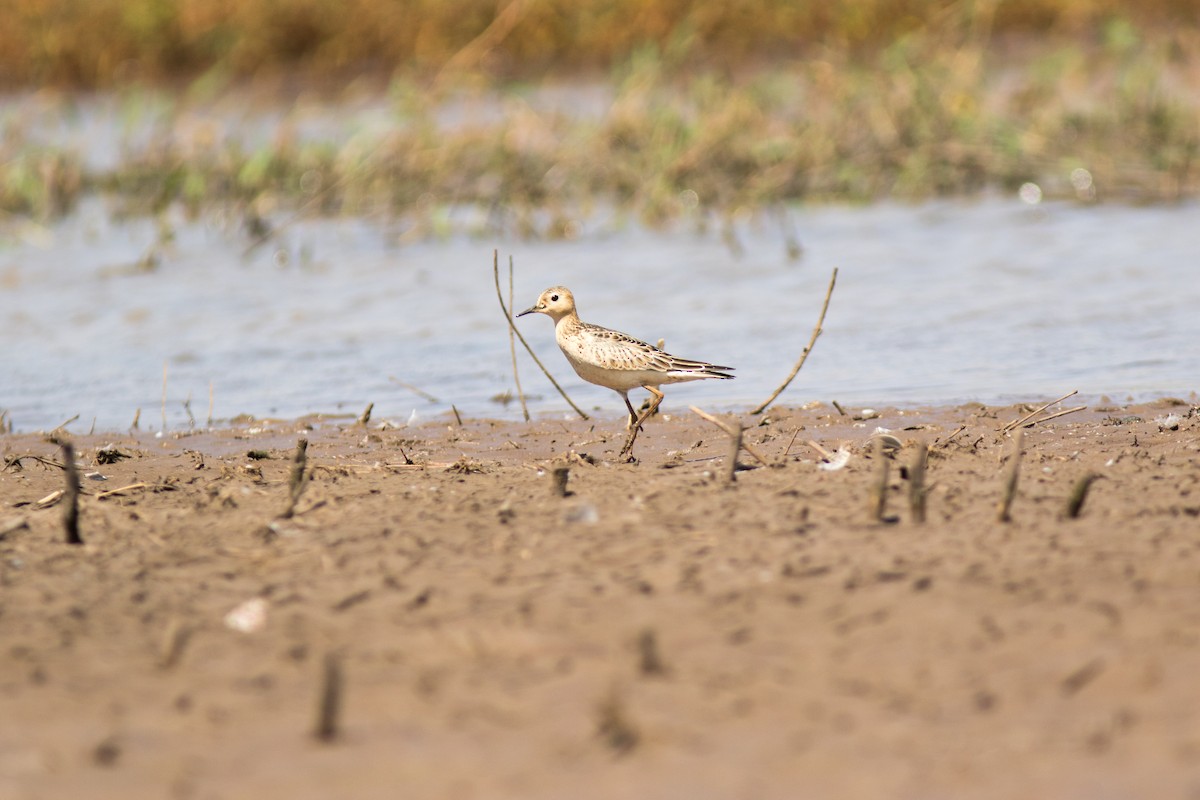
(553, 298)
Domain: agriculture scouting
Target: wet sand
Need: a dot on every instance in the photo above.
(657, 632)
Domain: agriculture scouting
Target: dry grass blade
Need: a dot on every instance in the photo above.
(1055, 415)
(164, 398)
(807, 349)
(1019, 422)
(414, 389)
(512, 326)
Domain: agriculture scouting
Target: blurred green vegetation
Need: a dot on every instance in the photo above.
(96, 43)
(711, 108)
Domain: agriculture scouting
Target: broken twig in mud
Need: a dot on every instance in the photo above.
(61, 429)
(120, 490)
(512, 326)
(457, 416)
(297, 479)
(1079, 495)
(916, 484)
(950, 438)
(558, 480)
(71, 495)
(15, 461)
(365, 417)
(329, 702)
(808, 348)
(512, 346)
(731, 430)
(1010, 482)
(1035, 412)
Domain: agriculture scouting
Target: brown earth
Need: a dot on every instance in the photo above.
(655, 633)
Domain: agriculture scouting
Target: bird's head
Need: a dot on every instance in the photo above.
(556, 303)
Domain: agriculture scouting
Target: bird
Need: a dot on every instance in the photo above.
(617, 360)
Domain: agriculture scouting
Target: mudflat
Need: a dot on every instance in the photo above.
(655, 630)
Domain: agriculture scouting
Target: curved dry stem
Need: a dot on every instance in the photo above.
(512, 345)
(512, 326)
(808, 348)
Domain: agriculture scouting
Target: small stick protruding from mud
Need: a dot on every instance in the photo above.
(1079, 495)
(735, 447)
(297, 479)
(1010, 482)
(558, 480)
(175, 638)
(916, 484)
(614, 727)
(839, 408)
(71, 495)
(735, 440)
(329, 702)
(137, 415)
(457, 416)
(880, 486)
(736, 435)
(365, 417)
(649, 660)
(807, 349)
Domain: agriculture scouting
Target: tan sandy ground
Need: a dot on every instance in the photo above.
(655, 634)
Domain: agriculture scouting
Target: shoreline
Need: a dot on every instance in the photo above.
(653, 628)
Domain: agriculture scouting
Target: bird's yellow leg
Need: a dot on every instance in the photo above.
(637, 425)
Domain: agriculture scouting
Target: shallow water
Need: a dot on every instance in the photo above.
(989, 300)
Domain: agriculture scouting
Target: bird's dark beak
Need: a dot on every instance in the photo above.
(529, 310)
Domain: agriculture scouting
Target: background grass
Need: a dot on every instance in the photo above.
(710, 107)
(91, 43)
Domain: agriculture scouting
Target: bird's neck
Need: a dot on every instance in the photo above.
(567, 322)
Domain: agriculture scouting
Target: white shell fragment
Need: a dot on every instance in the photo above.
(248, 617)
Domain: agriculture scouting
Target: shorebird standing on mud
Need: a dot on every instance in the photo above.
(617, 360)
